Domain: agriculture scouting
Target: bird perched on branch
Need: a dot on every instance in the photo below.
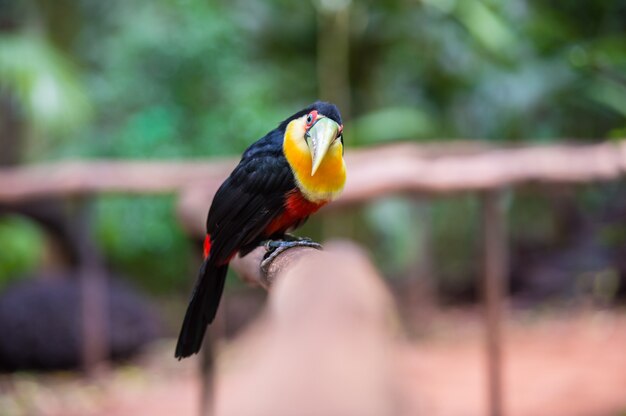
(280, 181)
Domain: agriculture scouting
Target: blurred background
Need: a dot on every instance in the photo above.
(191, 79)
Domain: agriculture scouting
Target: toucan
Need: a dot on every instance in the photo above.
(281, 180)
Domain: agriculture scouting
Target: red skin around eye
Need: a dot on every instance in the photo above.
(313, 115)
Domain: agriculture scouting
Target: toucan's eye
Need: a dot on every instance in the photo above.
(310, 118)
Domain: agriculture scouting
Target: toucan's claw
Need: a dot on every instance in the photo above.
(291, 237)
(275, 247)
(282, 245)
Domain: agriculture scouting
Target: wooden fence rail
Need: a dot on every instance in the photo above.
(431, 169)
(373, 172)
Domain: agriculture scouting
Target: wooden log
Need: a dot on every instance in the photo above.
(322, 346)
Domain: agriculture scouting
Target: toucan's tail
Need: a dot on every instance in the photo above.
(202, 308)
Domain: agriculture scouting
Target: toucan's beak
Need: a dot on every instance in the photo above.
(320, 136)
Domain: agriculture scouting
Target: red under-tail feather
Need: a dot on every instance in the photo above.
(207, 246)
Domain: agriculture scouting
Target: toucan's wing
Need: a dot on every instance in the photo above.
(252, 196)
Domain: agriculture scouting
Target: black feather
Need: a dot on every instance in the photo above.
(202, 308)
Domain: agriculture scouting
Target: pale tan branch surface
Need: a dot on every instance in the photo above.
(248, 267)
(324, 346)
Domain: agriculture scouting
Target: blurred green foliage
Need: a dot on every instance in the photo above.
(141, 236)
(197, 78)
(22, 248)
(45, 83)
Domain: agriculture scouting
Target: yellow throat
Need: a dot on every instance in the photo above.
(330, 178)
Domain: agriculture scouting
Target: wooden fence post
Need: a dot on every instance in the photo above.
(93, 293)
(422, 290)
(495, 266)
(207, 373)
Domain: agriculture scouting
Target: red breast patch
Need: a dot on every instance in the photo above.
(297, 208)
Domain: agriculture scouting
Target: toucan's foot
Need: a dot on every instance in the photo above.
(275, 247)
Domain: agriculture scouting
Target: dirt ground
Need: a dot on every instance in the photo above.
(568, 364)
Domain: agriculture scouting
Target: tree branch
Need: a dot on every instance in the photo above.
(325, 345)
(249, 267)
